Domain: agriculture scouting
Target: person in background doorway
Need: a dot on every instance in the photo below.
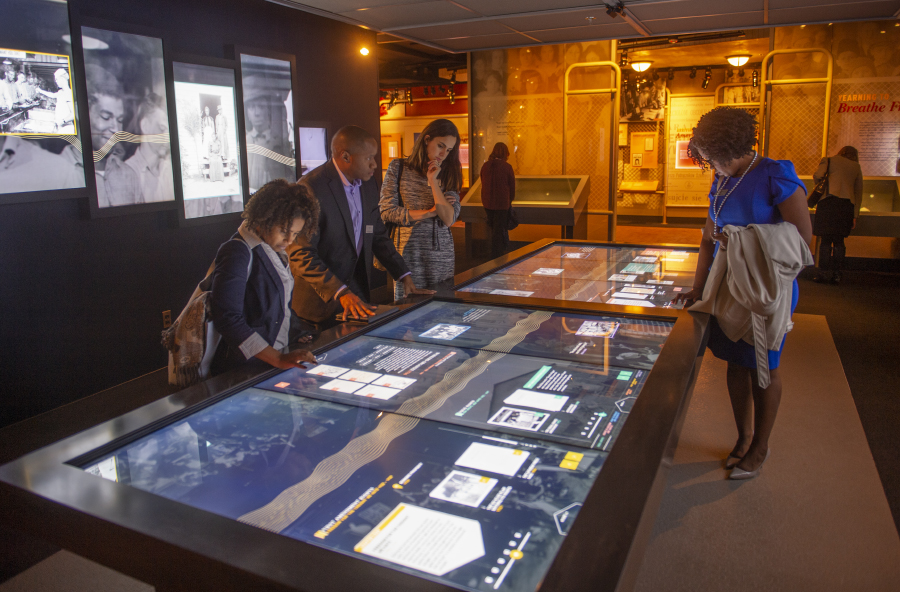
(836, 213)
(747, 189)
(420, 195)
(250, 303)
(498, 190)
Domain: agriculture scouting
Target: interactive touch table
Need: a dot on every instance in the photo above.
(648, 276)
(456, 446)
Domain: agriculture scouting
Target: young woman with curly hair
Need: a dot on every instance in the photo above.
(747, 189)
(250, 304)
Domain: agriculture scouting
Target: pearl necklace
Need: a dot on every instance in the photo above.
(717, 207)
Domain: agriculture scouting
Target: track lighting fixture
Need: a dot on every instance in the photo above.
(693, 72)
(755, 78)
(671, 75)
(614, 11)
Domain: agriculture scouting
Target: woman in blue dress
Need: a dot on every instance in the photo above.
(747, 189)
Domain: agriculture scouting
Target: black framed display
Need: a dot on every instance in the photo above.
(127, 111)
(40, 131)
(620, 274)
(455, 446)
(269, 114)
(206, 140)
(315, 144)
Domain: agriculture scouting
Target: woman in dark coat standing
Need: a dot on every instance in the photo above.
(498, 190)
(836, 213)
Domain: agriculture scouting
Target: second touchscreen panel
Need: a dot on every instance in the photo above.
(564, 377)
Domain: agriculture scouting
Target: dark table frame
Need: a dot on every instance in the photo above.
(176, 547)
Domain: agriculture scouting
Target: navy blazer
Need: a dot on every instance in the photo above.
(241, 305)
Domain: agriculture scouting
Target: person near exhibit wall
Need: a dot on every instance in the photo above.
(333, 266)
(151, 160)
(751, 196)
(422, 200)
(65, 109)
(837, 212)
(498, 190)
(250, 300)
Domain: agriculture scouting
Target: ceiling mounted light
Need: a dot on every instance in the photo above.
(656, 75)
(671, 75)
(641, 66)
(364, 51)
(738, 60)
(707, 76)
(623, 62)
(741, 73)
(590, 19)
(409, 97)
(755, 78)
(616, 10)
(673, 40)
(693, 72)
(729, 73)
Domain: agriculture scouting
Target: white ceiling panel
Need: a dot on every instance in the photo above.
(841, 12)
(563, 20)
(500, 7)
(586, 33)
(675, 9)
(473, 29)
(339, 6)
(404, 15)
(462, 25)
(487, 41)
(723, 22)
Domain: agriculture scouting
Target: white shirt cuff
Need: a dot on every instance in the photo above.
(404, 275)
(253, 345)
(338, 293)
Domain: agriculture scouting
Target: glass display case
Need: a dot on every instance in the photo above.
(456, 446)
(647, 276)
(551, 200)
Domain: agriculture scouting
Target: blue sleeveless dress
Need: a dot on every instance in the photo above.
(755, 201)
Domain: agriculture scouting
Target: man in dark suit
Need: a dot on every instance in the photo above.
(332, 269)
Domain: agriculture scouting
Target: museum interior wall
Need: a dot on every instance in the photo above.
(82, 297)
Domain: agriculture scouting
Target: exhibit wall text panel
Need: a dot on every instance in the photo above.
(456, 443)
(627, 275)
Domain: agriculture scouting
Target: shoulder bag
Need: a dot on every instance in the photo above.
(821, 188)
(192, 339)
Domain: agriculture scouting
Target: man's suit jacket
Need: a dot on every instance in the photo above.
(327, 261)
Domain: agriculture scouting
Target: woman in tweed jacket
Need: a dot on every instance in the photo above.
(420, 195)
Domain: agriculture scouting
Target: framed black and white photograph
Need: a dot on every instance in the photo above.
(314, 145)
(267, 87)
(210, 154)
(129, 120)
(40, 144)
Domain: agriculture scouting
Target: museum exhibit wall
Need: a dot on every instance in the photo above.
(517, 97)
(82, 297)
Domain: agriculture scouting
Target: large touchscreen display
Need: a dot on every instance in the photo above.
(628, 275)
(456, 442)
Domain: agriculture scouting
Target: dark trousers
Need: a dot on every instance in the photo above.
(831, 252)
(498, 221)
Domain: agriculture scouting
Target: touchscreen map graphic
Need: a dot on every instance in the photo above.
(455, 443)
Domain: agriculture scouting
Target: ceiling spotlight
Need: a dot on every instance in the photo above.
(364, 51)
(729, 73)
(656, 75)
(623, 61)
(641, 66)
(409, 97)
(616, 10)
(738, 60)
(673, 40)
(741, 73)
(755, 78)
(693, 72)
(707, 76)
(671, 75)
(590, 19)
(453, 77)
